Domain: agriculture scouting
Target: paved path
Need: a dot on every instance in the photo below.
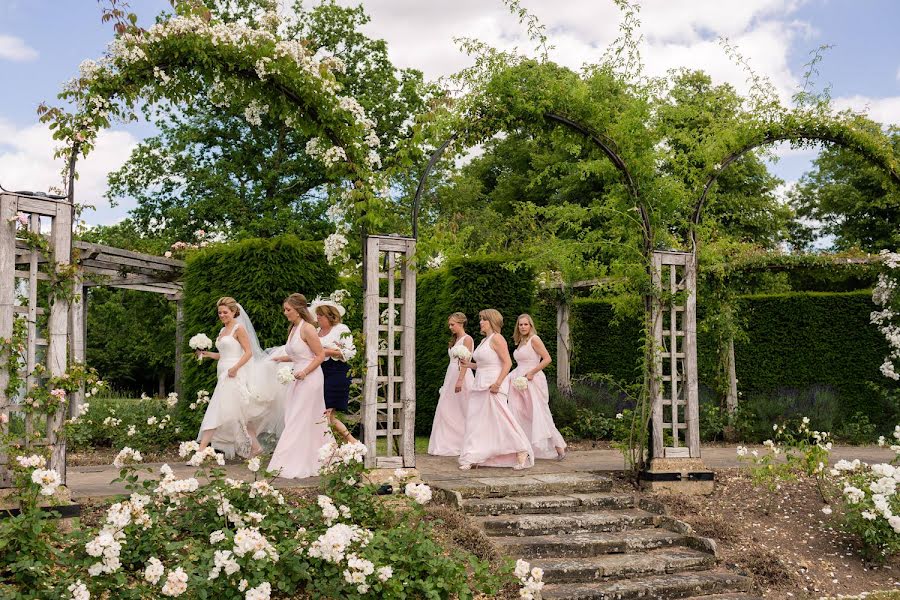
(94, 482)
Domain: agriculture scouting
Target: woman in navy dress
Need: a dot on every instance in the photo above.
(339, 348)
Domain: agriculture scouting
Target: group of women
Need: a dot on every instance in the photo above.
(248, 401)
(496, 417)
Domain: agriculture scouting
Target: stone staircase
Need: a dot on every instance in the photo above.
(592, 543)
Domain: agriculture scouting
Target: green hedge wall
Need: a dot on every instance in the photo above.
(467, 286)
(805, 353)
(259, 274)
(800, 340)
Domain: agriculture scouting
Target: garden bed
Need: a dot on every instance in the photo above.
(783, 540)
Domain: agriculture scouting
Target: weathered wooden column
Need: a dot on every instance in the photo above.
(58, 331)
(731, 395)
(563, 348)
(7, 308)
(389, 404)
(675, 464)
(179, 344)
(78, 339)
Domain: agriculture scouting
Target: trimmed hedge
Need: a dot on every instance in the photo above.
(467, 286)
(807, 353)
(259, 274)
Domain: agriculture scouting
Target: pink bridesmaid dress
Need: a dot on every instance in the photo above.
(305, 425)
(449, 424)
(531, 406)
(493, 436)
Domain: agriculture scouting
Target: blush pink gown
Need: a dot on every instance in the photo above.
(493, 436)
(532, 405)
(305, 425)
(449, 424)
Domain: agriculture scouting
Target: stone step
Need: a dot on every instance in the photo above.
(591, 544)
(736, 596)
(538, 484)
(660, 587)
(618, 566)
(534, 505)
(580, 522)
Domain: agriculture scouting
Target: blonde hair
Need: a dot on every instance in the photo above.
(229, 303)
(493, 317)
(298, 303)
(460, 318)
(517, 337)
(330, 313)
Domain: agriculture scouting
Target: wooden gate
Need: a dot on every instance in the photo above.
(389, 324)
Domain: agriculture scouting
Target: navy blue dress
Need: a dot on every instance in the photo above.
(337, 372)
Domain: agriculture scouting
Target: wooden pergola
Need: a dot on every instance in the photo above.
(56, 328)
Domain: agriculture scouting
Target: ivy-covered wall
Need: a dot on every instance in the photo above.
(259, 274)
(467, 286)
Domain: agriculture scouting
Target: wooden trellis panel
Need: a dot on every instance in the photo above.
(46, 341)
(389, 323)
(674, 383)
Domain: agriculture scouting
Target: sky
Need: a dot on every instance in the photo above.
(42, 42)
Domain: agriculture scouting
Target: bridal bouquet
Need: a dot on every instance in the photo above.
(200, 342)
(285, 375)
(460, 352)
(520, 383)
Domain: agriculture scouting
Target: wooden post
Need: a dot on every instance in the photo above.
(7, 307)
(656, 386)
(179, 345)
(408, 343)
(563, 348)
(58, 332)
(692, 391)
(370, 327)
(731, 396)
(77, 341)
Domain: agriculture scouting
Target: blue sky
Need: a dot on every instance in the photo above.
(42, 43)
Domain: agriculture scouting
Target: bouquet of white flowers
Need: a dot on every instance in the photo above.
(200, 342)
(520, 383)
(285, 375)
(461, 352)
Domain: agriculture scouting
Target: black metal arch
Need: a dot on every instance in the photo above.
(769, 139)
(602, 142)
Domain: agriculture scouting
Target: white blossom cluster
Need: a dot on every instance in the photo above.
(127, 456)
(331, 455)
(335, 247)
(176, 583)
(332, 545)
(31, 462)
(261, 592)
(885, 319)
(419, 492)
(223, 560)
(201, 456)
(330, 512)
(172, 489)
(263, 489)
(48, 479)
(249, 540)
(532, 580)
(107, 547)
(79, 591)
(202, 398)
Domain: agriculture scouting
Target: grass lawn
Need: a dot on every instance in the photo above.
(421, 445)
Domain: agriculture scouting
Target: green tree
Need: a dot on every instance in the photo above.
(131, 339)
(208, 168)
(853, 200)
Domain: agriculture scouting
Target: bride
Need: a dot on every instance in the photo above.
(245, 389)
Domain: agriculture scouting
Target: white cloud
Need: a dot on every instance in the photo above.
(27, 163)
(883, 110)
(677, 33)
(15, 49)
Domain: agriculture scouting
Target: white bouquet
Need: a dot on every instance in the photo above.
(200, 342)
(520, 383)
(285, 374)
(461, 352)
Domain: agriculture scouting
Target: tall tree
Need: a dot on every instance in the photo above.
(209, 169)
(853, 200)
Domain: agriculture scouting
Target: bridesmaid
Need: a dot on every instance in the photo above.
(305, 424)
(448, 428)
(337, 340)
(531, 406)
(493, 437)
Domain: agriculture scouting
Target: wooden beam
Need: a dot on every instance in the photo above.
(58, 328)
(179, 346)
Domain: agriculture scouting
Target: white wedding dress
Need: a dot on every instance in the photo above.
(253, 397)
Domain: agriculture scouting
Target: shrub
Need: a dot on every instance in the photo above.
(258, 273)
